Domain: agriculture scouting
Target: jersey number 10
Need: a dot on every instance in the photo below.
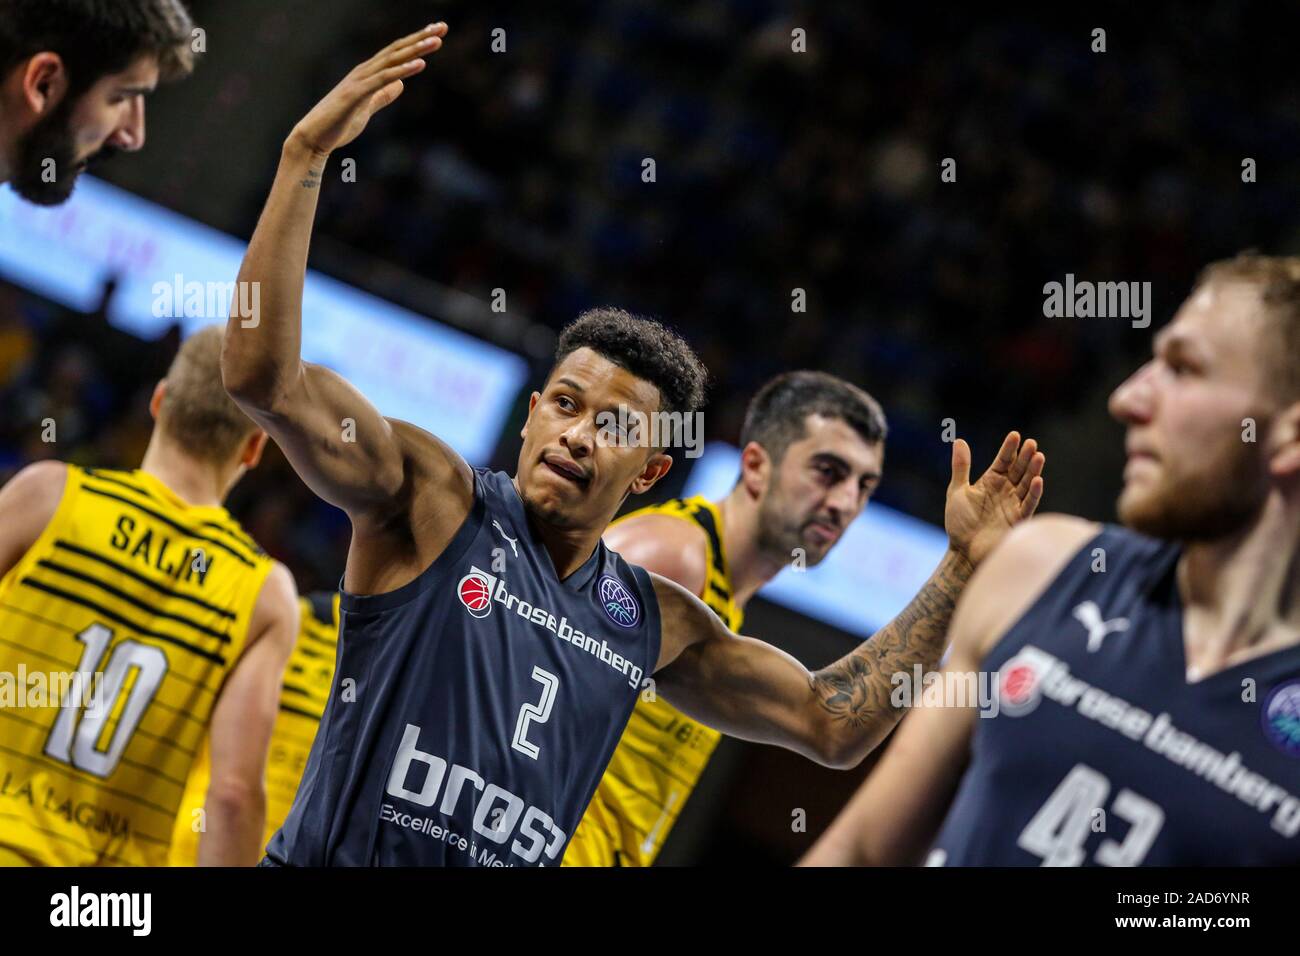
(74, 741)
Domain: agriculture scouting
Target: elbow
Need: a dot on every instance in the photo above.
(833, 750)
(237, 800)
(251, 384)
(840, 757)
(841, 747)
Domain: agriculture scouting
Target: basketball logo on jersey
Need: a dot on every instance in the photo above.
(1020, 681)
(1281, 718)
(475, 592)
(620, 605)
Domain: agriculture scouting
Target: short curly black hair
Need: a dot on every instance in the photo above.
(644, 347)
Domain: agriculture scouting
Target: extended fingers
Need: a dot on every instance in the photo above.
(397, 57)
(1030, 503)
(1021, 463)
(402, 48)
(1032, 471)
(1006, 454)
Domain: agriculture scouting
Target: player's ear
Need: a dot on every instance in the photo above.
(1284, 437)
(656, 466)
(44, 82)
(156, 400)
(253, 449)
(755, 469)
(532, 403)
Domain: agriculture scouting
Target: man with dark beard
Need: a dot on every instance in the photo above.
(74, 75)
(813, 448)
(1148, 678)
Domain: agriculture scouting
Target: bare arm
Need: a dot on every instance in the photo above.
(240, 733)
(837, 715)
(895, 815)
(27, 503)
(336, 440)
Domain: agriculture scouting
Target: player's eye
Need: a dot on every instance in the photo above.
(566, 403)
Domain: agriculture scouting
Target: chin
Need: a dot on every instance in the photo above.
(548, 509)
(1186, 516)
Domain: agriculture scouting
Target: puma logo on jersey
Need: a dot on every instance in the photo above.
(513, 542)
(1089, 615)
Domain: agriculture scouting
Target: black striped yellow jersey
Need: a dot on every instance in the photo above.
(306, 689)
(662, 752)
(117, 629)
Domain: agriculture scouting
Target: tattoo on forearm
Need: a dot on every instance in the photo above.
(312, 181)
(856, 688)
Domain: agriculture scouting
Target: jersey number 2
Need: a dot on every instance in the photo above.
(539, 712)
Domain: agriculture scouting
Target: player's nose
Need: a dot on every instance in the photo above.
(130, 134)
(843, 501)
(1132, 400)
(579, 438)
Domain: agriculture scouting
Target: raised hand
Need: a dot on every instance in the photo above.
(978, 515)
(340, 117)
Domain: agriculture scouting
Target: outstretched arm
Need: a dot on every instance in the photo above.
(838, 714)
(896, 814)
(303, 406)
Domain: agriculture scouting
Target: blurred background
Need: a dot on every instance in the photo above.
(521, 171)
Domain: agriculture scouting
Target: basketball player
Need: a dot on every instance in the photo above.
(177, 623)
(74, 75)
(303, 695)
(1149, 675)
(813, 453)
(491, 647)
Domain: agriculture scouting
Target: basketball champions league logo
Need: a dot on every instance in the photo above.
(620, 605)
(1280, 717)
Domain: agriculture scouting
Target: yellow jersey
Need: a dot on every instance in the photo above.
(306, 689)
(121, 623)
(662, 752)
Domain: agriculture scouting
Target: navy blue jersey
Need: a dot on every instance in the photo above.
(474, 709)
(1102, 753)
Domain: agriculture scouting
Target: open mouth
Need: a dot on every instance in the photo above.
(567, 471)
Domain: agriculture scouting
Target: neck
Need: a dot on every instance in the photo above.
(1241, 594)
(198, 483)
(748, 568)
(569, 548)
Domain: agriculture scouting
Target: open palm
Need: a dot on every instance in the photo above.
(341, 116)
(978, 515)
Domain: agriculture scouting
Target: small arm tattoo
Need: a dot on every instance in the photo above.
(856, 689)
(312, 181)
